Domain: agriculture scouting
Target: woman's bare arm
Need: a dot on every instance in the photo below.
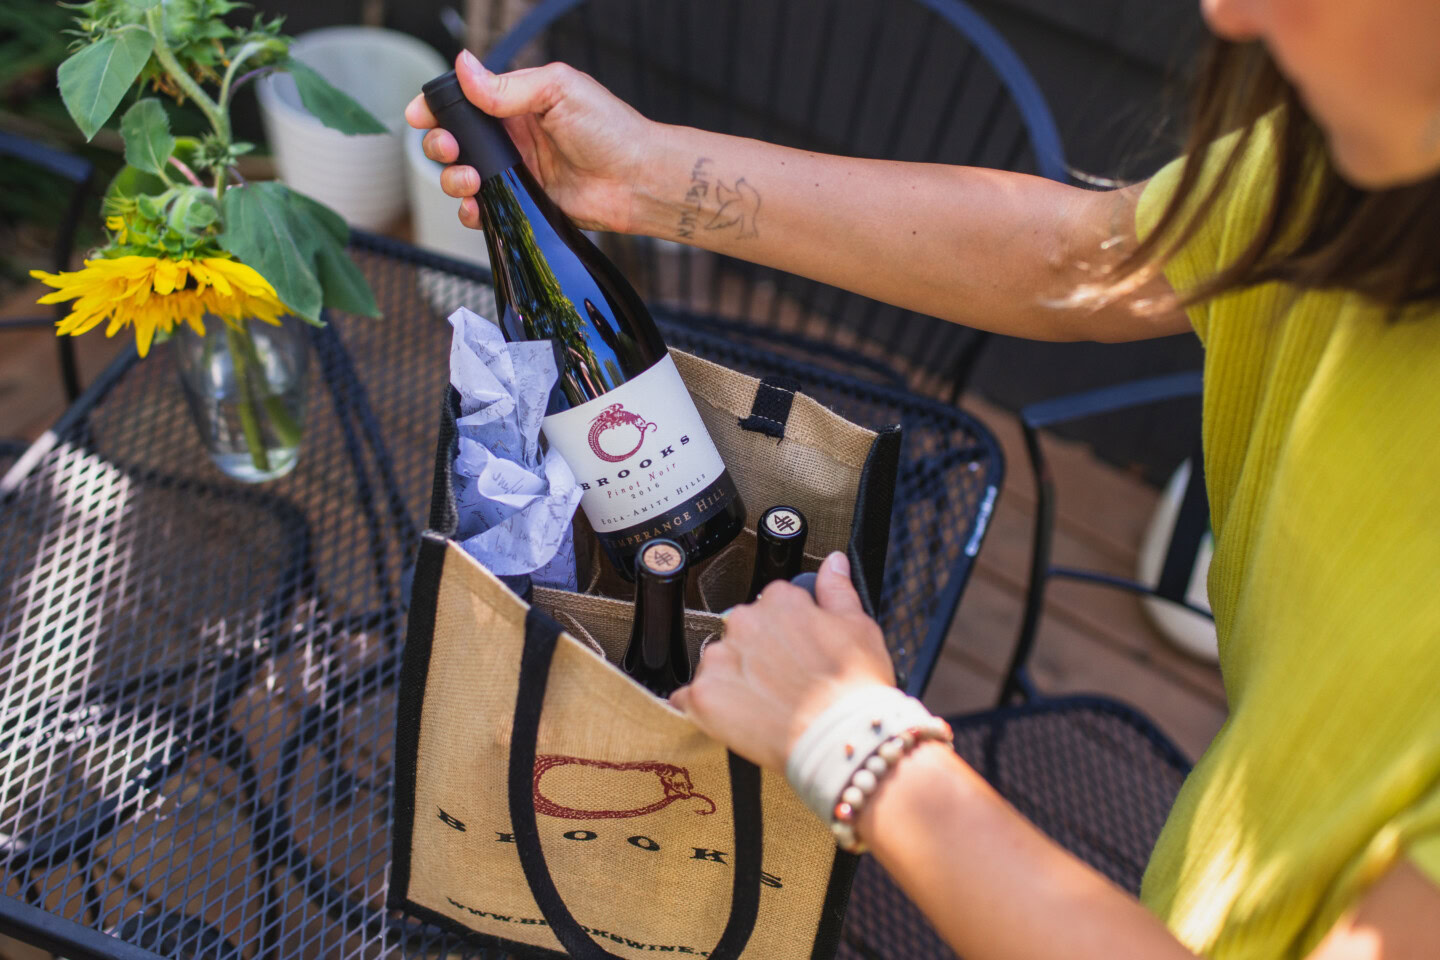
(994, 886)
(986, 248)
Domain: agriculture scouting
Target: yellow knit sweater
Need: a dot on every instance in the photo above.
(1322, 459)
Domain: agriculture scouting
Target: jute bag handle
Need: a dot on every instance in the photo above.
(542, 634)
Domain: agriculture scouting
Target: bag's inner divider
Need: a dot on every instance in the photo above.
(816, 468)
(603, 623)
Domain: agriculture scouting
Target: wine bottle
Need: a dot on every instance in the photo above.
(779, 547)
(620, 414)
(657, 656)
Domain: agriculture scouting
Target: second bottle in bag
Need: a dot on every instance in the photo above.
(657, 657)
(620, 414)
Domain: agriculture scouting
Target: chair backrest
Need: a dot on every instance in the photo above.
(76, 170)
(920, 80)
(80, 175)
(1184, 544)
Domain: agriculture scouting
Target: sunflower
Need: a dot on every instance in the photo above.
(155, 293)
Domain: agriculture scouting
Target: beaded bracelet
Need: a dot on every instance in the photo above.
(866, 780)
(838, 761)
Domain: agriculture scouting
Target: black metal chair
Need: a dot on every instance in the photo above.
(1190, 524)
(923, 80)
(1095, 774)
(77, 172)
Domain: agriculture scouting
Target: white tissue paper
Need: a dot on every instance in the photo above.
(515, 503)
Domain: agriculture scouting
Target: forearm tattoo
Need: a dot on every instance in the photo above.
(711, 205)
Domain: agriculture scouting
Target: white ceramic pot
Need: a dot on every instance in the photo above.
(361, 177)
(434, 216)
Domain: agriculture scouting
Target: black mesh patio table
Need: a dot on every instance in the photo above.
(197, 676)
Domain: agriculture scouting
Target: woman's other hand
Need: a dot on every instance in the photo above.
(583, 144)
(782, 660)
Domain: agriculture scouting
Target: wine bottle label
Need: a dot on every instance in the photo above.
(644, 460)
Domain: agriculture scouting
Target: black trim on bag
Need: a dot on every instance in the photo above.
(512, 948)
(870, 526)
(771, 409)
(542, 634)
(410, 698)
(832, 911)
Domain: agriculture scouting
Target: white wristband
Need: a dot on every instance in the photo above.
(838, 743)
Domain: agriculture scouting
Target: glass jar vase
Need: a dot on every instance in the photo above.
(245, 384)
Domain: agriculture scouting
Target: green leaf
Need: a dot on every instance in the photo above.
(150, 207)
(96, 79)
(148, 143)
(133, 182)
(345, 286)
(327, 220)
(193, 210)
(331, 106)
(143, 4)
(299, 246)
(260, 232)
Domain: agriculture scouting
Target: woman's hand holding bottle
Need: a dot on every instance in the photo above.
(583, 144)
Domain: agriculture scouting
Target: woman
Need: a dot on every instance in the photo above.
(1299, 240)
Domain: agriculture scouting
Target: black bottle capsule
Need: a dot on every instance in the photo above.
(779, 547)
(657, 656)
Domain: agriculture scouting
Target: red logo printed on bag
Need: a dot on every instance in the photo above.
(674, 782)
(614, 417)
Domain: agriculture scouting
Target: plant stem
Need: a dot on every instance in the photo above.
(287, 431)
(179, 164)
(155, 20)
(244, 53)
(246, 78)
(245, 406)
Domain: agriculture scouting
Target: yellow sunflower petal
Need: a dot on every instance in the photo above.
(206, 275)
(52, 279)
(144, 333)
(245, 277)
(80, 321)
(166, 276)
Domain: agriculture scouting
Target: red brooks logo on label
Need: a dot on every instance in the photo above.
(639, 477)
(675, 784)
(618, 423)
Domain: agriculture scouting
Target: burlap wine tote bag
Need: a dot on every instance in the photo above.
(547, 804)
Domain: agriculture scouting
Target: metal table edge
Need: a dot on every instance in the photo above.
(64, 937)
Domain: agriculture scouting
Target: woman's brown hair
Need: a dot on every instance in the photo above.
(1319, 231)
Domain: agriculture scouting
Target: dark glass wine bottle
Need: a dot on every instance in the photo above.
(620, 415)
(779, 547)
(657, 656)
